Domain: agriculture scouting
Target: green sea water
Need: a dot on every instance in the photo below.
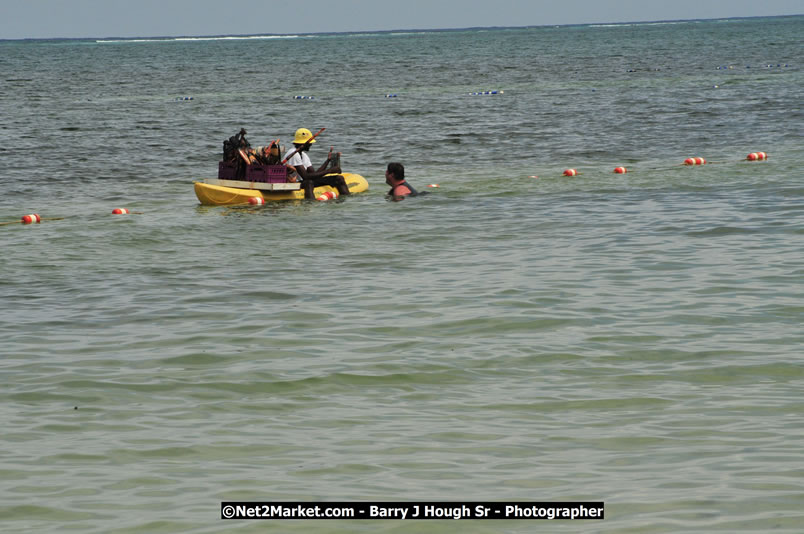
(514, 335)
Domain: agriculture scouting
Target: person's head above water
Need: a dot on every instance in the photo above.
(397, 170)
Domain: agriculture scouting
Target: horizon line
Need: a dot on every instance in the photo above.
(400, 30)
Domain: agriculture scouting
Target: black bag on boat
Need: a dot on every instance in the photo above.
(233, 144)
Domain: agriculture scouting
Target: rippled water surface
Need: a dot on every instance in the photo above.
(513, 335)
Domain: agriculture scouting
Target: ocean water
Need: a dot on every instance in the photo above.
(513, 335)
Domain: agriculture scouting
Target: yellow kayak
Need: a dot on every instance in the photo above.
(221, 192)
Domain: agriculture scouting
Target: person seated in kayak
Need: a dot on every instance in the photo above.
(311, 178)
(400, 188)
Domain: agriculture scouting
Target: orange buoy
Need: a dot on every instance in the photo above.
(120, 211)
(694, 161)
(570, 172)
(757, 156)
(433, 185)
(620, 170)
(256, 201)
(32, 218)
(329, 195)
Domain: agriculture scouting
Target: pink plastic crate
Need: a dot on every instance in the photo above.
(272, 174)
(227, 170)
(277, 174)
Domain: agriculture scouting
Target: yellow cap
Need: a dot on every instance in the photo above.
(303, 135)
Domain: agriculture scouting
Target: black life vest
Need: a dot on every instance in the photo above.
(413, 192)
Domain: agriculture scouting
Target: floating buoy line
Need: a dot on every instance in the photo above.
(766, 66)
(695, 161)
(502, 91)
(35, 218)
(396, 95)
(125, 211)
(32, 218)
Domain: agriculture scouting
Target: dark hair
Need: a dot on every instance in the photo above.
(397, 169)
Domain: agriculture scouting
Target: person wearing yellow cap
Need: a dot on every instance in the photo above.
(327, 174)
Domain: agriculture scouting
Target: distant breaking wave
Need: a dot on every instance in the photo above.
(674, 22)
(395, 33)
(622, 24)
(174, 39)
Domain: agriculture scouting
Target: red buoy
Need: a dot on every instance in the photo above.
(329, 195)
(620, 170)
(757, 156)
(120, 211)
(433, 185)
(694, 161)
(256, 201)
(32, 218)
(570, 172)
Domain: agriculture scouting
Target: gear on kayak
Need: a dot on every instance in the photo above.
(247, 173)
